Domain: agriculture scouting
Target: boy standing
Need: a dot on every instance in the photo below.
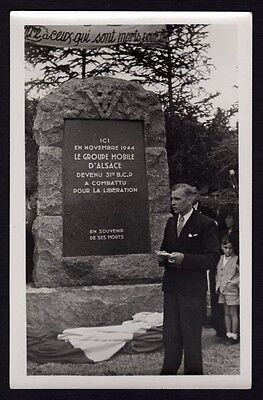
(227, 284)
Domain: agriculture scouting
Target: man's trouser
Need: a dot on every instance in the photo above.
(182, 332)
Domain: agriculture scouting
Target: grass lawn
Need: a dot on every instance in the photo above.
(218, 358)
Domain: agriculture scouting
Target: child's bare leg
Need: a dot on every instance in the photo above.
(227, 319)
(233, 311)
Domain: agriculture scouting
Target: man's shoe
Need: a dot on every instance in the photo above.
(222, 339)
(167, 373)
(220, 334)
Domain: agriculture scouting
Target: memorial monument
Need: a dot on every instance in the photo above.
(103, 201)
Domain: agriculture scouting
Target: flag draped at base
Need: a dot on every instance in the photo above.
(92, 36)
(93, 344)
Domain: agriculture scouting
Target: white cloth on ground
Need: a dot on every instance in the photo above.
(152, 318)
(100, 343)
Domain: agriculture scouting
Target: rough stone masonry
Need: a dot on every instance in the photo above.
(75, 278)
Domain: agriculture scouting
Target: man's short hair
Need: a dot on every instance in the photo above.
(189, 190)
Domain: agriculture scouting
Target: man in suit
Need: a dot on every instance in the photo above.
(190, 247)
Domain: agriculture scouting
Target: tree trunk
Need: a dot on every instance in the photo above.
(83, 55)
(169, 71)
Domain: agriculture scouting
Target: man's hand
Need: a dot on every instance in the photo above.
(162, 255)
(176, 258)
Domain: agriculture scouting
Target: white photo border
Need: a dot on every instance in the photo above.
(18, 368)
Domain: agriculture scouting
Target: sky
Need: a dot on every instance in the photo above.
(224, 56)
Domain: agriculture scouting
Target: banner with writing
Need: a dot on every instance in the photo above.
(92, 36)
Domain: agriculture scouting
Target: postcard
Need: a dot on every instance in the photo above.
(130, 143)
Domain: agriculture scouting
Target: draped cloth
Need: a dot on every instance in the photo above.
(44, 347)
(94, 344)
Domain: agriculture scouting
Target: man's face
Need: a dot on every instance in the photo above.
(181, 203)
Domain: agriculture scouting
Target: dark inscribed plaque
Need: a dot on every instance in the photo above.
(105, 192)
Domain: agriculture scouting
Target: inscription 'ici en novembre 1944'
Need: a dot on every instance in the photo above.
(105, 188)
(110, 160)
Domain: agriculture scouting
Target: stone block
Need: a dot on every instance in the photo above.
(110, 270)
(158, 182)
(98, 98)
(96, 270)
(49, 181)
(47, 233)
(54, 270)
(157, 225)
(62, 308)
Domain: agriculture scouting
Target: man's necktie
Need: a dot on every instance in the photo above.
(180, 225)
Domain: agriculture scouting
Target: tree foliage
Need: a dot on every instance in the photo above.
(177, 69)
(57, 65)
(187, 150)
(222, 145)
(202, 154)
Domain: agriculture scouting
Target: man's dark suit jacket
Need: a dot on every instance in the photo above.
(200, 245)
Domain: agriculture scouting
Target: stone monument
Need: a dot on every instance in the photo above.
(103, 201)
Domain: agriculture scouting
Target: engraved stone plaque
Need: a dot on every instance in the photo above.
(105, 189)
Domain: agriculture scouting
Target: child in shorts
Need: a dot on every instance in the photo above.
(227, 285)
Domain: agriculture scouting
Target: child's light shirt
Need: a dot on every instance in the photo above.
(227, 272)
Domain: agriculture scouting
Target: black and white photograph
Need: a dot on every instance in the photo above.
(130, 200)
